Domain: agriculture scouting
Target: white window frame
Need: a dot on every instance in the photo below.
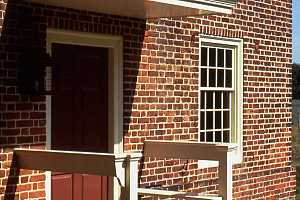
(237, 109)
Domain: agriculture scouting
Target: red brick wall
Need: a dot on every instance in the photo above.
(161, 93)
(22, 117)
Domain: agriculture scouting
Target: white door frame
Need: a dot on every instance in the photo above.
(115, 92)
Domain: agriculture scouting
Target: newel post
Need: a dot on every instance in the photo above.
(225, 175)
(132, 176)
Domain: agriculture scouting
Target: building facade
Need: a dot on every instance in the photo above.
(222, 78)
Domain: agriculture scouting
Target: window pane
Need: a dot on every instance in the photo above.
(209, 101)
(229, 58)
(228, 78)
(212, 78)
(202, 137)
(218, 100)
(220, 57)
(212, 57)
(203, 56)
(202, 100)
(226, 136)
(203, 77)
(202, 119)
(226, 119)
(218, 119)
(209, 137)
(226, 100)
(209, 120)
(220, 80)
(218, 136)
(215, 103)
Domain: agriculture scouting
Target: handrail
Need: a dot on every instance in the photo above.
(103, 164)
(186, 150)
(197, 151)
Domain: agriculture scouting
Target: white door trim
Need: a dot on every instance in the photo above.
(115, 92)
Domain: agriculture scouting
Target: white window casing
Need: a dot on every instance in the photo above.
(215, 132)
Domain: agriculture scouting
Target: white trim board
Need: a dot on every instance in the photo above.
(115, 91)
(144, 9)
(101, 164)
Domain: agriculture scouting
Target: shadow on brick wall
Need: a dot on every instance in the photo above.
(24, 30)
(20, 32)
(12, 180)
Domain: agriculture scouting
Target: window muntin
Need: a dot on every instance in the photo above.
(217, 90)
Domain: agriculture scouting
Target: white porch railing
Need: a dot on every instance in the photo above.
(194, 151)
(125, 167)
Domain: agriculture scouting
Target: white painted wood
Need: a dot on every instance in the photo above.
(120, 171)
(205, 105)
(214, 107)
(131, 189)
(225, 176)
(104, 164)
(101, 164)
(146, 8)
(223, 153)
(48, 143)
(186, 150)
(176, 194)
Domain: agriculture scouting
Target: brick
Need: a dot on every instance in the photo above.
(161, 93)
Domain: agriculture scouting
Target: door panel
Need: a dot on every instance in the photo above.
(62, 185)
(80, 116)
(94, 184)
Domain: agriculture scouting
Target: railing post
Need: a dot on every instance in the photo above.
(225, 175)
(132, 176)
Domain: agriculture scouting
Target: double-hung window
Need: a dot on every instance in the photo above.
(220, 91)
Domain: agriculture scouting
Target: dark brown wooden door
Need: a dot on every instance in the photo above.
(79, 116)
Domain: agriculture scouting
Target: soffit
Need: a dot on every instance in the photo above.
(144, 9)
